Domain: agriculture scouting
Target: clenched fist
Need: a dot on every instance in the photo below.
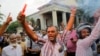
(21, 17)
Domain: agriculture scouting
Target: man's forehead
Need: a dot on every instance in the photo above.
(12, 36)
(51, 28)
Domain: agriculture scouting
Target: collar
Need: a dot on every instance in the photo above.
(11, 46)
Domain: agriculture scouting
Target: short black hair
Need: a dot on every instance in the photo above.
(52, 26)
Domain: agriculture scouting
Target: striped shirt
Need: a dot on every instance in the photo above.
(49, 49)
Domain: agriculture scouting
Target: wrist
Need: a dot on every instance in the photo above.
(23, 22)
(72, 14)
(6, 23)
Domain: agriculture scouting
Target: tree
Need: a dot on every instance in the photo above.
(13, 26)
(1, 15)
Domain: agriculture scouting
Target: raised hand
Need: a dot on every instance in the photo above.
(21, 17)
(71, 19)
(4, 26)
(9, 19)
(73, 10)
(97, 14)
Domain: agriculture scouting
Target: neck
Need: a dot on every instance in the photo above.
(53, 42)
(14, 45)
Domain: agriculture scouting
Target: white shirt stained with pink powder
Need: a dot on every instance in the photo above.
(84, 45)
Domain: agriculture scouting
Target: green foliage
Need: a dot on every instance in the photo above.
(1, 15)
(13, 26)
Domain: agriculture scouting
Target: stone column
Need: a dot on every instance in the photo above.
(64, 18)
(54, 18)
(42, 22)
(77, 20)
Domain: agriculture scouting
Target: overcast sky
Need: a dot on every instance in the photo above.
(14, 6)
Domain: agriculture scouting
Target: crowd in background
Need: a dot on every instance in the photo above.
(80, 41)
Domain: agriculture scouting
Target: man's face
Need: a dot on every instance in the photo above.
(85, 33)
(19, 38)
(52, 33)
(5, 35)
(13, 39)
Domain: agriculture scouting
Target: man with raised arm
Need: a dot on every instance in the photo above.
(51, 46)
(5, 24)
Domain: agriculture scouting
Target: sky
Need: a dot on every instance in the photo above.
(15, 6)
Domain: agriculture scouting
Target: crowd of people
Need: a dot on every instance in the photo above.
(80, 41)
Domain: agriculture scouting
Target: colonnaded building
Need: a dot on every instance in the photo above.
(53, 13)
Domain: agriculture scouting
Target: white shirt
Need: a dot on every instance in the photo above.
(11, 51)
(51, 50)
(84, 45)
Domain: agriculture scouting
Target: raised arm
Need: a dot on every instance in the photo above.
(4, 26)
(30, 33)
(71, 19)
(92, 37)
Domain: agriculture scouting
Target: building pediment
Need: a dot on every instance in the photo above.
(50, 4)
(50, 7)
(54, 6)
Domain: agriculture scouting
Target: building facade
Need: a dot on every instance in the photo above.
(53, 13)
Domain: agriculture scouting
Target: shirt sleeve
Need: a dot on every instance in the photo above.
(93, 36)
(40, 39)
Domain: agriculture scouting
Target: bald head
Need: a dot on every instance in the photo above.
(18, 36)
(12, 38)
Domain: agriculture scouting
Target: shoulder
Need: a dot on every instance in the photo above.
(82, 41)
(6, 48)
(19, 46)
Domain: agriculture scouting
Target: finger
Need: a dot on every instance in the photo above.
(9, 14)
(24, 8)
(11, 19)
(19, 13)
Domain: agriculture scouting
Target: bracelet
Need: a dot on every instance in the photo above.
(72, 15)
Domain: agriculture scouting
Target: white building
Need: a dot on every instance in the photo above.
(53, 13)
